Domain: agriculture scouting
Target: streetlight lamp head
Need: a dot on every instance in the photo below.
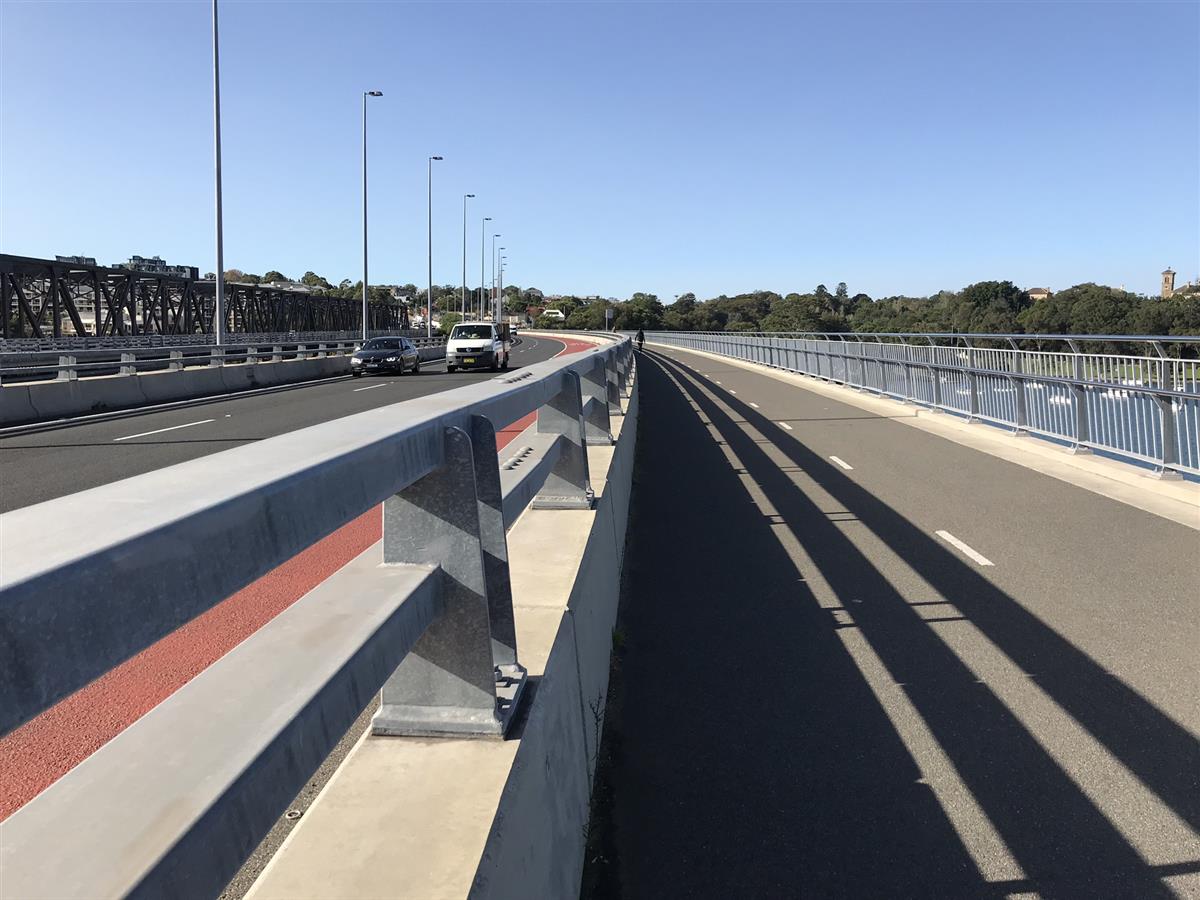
(468, 195)
(374, 93)
(435, 157)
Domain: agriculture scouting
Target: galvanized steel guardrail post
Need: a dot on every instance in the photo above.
(595, 404)
(612, 386)
(462, 676)
(67, 371)
(568, 484)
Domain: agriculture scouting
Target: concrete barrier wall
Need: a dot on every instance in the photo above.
(41, 401)
(536, 844)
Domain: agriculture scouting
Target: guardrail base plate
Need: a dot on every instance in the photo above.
(405, 720)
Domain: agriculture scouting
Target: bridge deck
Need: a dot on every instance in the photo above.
(863, 661)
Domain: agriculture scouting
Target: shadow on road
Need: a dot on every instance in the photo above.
(755, 760)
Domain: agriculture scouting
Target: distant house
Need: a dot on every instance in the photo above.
(298, 286)
(157, 266)
(1038, 293)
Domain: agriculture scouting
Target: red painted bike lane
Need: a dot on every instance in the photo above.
(38, 753)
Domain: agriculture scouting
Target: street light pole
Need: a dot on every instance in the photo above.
(492, 292)
(429, 296)
(366, 94)
(466, 197)
(219, 293)
(482, 247)
(500, 294)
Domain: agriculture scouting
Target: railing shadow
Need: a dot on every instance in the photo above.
(754, 759)
(1066, 845)
(1163, 754)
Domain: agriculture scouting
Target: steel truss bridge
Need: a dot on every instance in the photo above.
(45, 298)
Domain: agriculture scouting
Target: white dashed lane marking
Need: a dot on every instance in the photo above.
(965, 548)
(130, 437)
(841, 462)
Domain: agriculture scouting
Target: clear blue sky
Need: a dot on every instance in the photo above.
(620, 146)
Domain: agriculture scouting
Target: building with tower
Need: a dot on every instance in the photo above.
(1168, 283)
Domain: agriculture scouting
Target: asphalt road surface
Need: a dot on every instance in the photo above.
(863, 661)
(62, 460)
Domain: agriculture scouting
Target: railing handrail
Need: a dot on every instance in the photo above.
(1147, 338)
(1164, 430)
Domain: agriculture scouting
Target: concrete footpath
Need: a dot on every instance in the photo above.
(864, 660)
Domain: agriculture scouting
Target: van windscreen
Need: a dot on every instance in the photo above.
(471, 333)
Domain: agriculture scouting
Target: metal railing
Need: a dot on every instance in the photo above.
(75, 364)
(134, 341)
(1142, 406)
(90, 580)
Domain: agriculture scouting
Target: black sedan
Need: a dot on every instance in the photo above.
(386, 354)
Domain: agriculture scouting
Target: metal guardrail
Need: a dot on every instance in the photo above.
(121, 342)
(86, 587)
(1140, 406)
(69, 366)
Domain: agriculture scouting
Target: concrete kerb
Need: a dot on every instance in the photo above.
(1178, 501)
(488, 819)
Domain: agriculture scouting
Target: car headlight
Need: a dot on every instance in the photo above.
(392, 359)
(355, 361)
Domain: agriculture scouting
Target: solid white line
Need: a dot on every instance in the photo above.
(784, 425)
(955, 542)
(129, 437)
(841, 462)
(755, 405)
(369, 388)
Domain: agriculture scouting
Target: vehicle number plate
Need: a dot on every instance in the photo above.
(469, 359)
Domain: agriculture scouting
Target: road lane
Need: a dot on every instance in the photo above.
(65, 459)
(1029, 726)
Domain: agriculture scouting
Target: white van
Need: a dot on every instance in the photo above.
(474, 345)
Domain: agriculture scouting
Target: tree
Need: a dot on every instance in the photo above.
(684, 303)
(274, 275)
(448, 321)
(312, 279)
(640, 311)
(591, 317)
